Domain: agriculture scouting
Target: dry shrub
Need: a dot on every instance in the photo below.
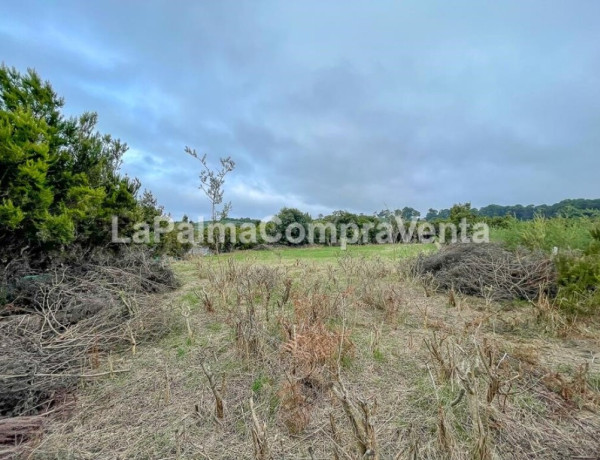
(231, 270)
(256, 288)
(548, 314)
(387, 299)
(267, 279)
(429, 283)
(443, 355)
(222, 275)
(360, 415)
(576, 388)
(376, 268)
(498, 385)
(350, 265)
(249, 332)
(219, 403)
(316, 306)
(244, 317)
(295, 406)
(313, 348)
(488, 270)
(497, 371)
(506, 370)
(311, 352)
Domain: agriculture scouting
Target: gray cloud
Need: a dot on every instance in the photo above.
(329, 105)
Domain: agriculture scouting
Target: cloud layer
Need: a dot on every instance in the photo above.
(332, 105)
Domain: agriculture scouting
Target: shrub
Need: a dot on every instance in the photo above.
(579, 279)
(298, 221)
(60, 182)
(544, 234)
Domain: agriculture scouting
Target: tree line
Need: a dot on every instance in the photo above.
(566, 208)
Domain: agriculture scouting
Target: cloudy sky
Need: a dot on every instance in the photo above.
(330, 105)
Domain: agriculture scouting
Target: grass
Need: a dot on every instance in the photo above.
(293, 328)
(259, 383)
(330, 253)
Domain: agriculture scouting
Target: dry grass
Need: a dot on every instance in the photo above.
(345, 360)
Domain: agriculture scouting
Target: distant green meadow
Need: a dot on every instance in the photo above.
(331, 253)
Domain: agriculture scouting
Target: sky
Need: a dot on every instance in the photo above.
(328, 105)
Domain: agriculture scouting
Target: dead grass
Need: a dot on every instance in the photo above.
(345, 360)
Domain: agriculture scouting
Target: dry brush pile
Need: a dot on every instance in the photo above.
(488, 270)
(57, 327)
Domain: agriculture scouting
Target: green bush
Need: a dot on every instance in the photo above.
(293, 216)
(579, 279)
(577, 262)
(59, 178)
(545, 234)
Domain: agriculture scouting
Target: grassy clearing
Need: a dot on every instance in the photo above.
(310, 354)
(331, 253)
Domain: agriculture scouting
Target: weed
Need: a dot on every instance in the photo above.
(259, 383)
(378, 356)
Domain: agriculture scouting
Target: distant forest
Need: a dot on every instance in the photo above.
(566, 208)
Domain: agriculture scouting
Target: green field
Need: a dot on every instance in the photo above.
(332, 253)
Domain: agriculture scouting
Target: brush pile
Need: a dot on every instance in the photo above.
(57, 326)
(489, 270)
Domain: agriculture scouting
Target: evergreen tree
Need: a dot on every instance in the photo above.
(59, 177)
